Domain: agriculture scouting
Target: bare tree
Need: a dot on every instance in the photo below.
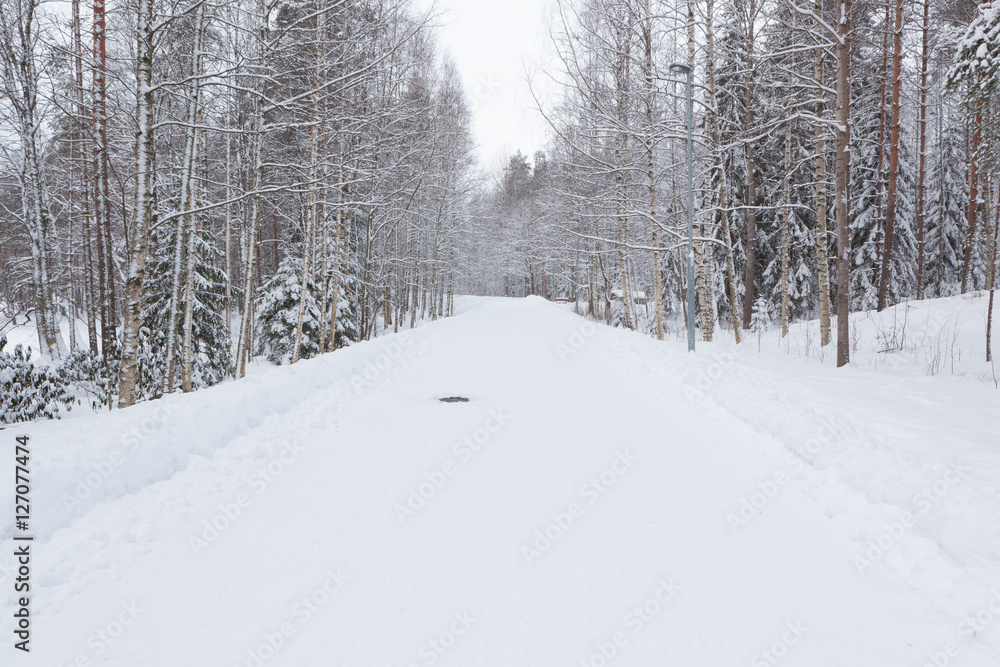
(19, 51)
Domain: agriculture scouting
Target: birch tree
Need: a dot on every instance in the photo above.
(144, 212)
(19, 52)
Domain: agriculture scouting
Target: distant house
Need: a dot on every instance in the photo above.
(638, 296)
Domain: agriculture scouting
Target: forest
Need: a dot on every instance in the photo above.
(187, 186)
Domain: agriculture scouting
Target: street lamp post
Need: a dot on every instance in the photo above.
(680, 68)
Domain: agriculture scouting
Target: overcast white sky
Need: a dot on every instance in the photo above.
(491, 41)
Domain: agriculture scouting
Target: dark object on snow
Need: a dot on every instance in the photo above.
(454, 399)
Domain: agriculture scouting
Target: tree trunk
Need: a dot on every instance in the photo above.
(891, 196)
(592, 284)
(786, 198)
(312, 205)
(751, 202)
(647, 40)
(703, 283)
(415, 286)
(189, 202)
(822, 238)
(252, 253)
(252, 250)
(882, 123)
(622, 42)
(187, 351)
(922, 148)
(992, 269)
(751, 249)
(970, 238)
(102, 209)
(719, 172)
(842, 175)
(143, 216)
(229, 222)
(19, 67)
(82, 157)
(174, 304)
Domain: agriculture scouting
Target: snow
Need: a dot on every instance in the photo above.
(21, 330)
(603, 498)
(914, 340)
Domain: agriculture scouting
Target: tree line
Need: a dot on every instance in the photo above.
(845, 159)
(199, 183)
(202, 182)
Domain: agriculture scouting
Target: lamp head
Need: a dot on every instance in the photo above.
(680, 68)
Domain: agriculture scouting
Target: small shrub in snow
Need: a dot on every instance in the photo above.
(91, 375)
(28, 391)
(760, 321)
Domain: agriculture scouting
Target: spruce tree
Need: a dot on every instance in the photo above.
(348, 306)
(865, 225)
(277, 314)
(946, 215)
(213, 358)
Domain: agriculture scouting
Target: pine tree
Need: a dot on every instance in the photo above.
(865, 225)
(277, 314)
(978, 60)
(866, 232)
(348, 316)
(213, 358)
(904, 260)
(738, 95)
(946, 216)
(760, 321)
(801, 271)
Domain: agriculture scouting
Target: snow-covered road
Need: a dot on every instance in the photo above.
(601, 499)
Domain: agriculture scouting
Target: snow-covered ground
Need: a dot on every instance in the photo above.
(601, 499)
(933, 337)
(20, 329)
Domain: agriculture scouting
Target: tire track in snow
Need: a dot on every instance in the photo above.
(847, 470)
(89, 545)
